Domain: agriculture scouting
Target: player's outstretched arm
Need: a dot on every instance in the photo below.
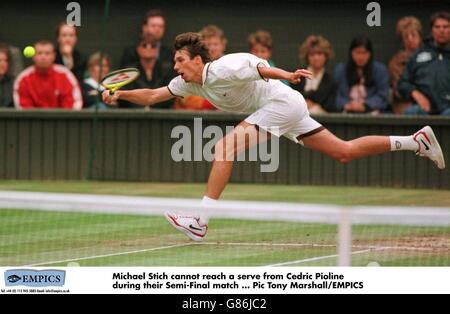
(143, 97)
(279, 74)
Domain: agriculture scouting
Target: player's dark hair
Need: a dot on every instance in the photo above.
(439, 15)
(352, 74)
(193, 44)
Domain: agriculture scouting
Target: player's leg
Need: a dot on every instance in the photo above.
(344, 151)
(243, 136)
(423, 142)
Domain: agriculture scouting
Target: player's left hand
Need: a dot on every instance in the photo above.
(296, 76)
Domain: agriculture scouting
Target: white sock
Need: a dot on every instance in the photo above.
(203, 215)
(403, 143)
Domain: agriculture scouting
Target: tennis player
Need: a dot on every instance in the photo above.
(243, 83)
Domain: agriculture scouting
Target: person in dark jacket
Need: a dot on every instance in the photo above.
(426, 78)
(153, 26)
(152, 73)
(66, 53)
(363, 82)
(320, 91)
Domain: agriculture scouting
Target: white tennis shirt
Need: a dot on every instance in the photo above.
(233, 83)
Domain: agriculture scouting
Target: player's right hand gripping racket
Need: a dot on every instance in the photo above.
(117, 79)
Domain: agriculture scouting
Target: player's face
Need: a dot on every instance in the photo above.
(411, 40)
(67, 36)
(317, 60)
(261, 51)
(155, 26)
(441, 32)
(360, 56)
(216, 47)
(3, 64)
(44, 57)
(188, 68)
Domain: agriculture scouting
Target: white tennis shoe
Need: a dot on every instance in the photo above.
(189, 225)
(429, 146)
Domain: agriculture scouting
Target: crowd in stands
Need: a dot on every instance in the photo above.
(416, 80)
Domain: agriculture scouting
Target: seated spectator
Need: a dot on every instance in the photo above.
(152, 74)
(90, 86)
(154, 26)
(216, 42)
(320, 91)
(426, 77)
(46, 84)
(15, 61)
(260, 44)
(66, 52)
(409, 29)
(6, 80)
(363, 84)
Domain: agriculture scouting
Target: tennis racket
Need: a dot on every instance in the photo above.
(117, 79)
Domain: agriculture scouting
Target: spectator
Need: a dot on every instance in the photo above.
(151, 69)
(153, 26)
(363, 84)
(426, 78)
(90, 87)
(320, 91)
(66, 53)
(216, 42)
(260, 44)
(409, 29)
(15, 61)
(6, 80)
(46, 84)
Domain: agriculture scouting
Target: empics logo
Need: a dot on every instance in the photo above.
(13, 278)
(35, 278)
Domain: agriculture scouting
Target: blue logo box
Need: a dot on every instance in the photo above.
(35, 278)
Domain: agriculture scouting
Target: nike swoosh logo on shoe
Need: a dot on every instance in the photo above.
(426, 146)
(195, 228)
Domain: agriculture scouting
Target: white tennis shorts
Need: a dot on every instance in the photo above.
(288, 118)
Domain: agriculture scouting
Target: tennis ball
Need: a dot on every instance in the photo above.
(29, 51)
